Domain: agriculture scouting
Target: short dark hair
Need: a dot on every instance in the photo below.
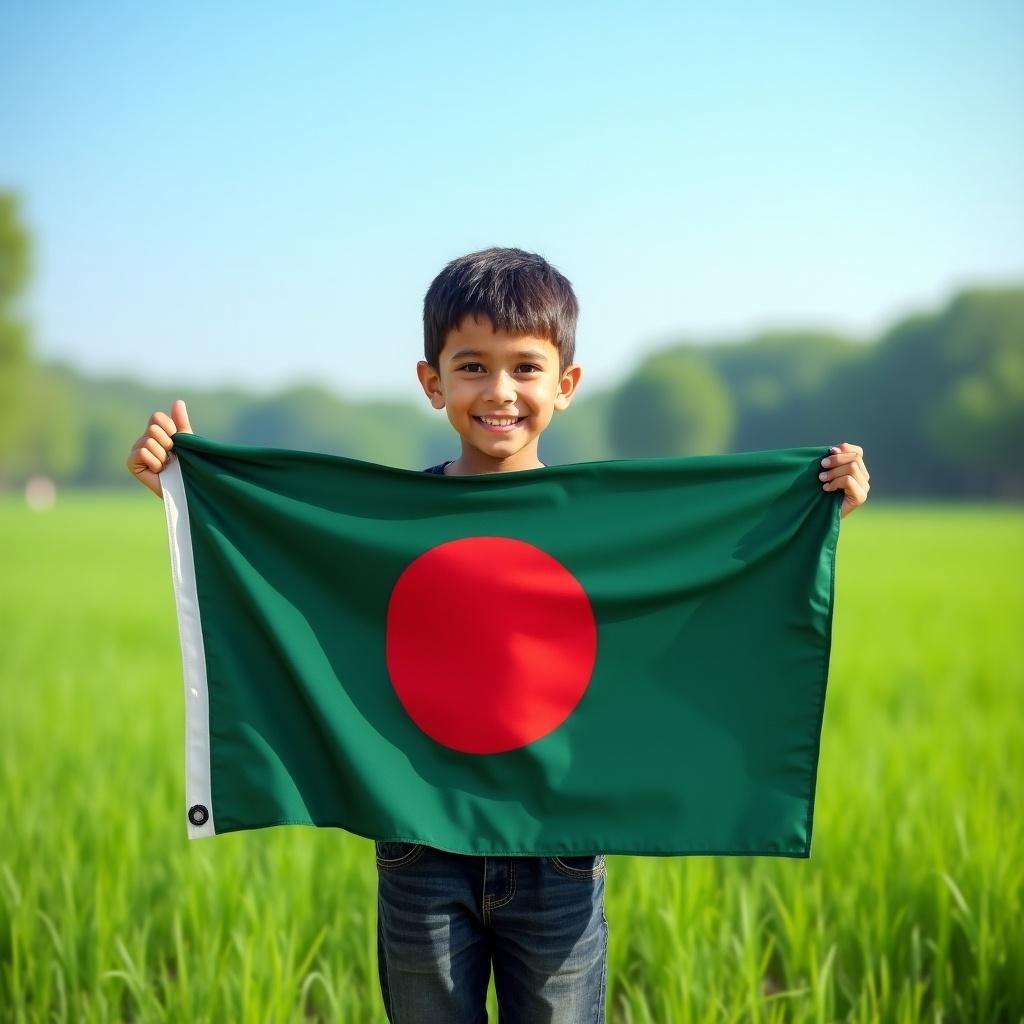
(520, 292)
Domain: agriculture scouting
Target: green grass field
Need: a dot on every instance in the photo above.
(908, 910)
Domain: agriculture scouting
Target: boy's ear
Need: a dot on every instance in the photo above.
(430, 381)
(567, 386)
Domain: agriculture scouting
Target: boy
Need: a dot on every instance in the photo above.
(499, 341)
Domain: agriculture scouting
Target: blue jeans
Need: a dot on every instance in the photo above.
(442, 918)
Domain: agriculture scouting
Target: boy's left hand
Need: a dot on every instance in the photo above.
(844, 468)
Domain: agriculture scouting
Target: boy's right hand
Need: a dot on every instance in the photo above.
(149, 454)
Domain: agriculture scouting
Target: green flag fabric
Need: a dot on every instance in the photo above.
(605, 657)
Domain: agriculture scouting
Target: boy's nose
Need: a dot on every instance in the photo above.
(502, 387)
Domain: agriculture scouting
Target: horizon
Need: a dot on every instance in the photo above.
(270, 389)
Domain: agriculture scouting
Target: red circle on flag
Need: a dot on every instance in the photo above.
(490, 643)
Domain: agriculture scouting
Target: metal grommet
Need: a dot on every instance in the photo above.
(198, 814)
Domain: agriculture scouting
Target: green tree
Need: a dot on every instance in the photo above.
(15, 255)
(50, 440)
(939, 405)
(579, 433)
(977, 415)
(779, 379)
(675, 404)
(310, 418)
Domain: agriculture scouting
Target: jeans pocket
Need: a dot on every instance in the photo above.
(394, 854)
(589, 866)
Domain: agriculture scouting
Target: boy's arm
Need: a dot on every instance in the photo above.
(151, 450)
(844, 469)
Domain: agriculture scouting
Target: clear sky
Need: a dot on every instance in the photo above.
(258, 193)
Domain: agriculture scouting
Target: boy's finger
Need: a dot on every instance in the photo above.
(157, 449)
(848, 458)
(849, 483)
(839, 459)
(854, 469)
(180, 414)
(150, 460)
(847, 447)
(161, 419)
(159, 435)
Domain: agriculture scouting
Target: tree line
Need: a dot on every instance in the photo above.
(937, 401)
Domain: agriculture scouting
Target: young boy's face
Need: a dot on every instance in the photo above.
(511, 380)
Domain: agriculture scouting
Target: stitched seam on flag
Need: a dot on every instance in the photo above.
(193, 655)
(641, 848)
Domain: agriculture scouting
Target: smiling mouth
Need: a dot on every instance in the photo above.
(499, 425)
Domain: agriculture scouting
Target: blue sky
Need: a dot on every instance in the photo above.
(262, 193)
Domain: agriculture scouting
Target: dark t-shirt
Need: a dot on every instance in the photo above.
(439, 468)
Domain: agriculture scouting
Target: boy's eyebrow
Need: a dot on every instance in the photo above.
(525, 354)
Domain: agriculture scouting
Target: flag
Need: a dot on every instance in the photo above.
(619, 657)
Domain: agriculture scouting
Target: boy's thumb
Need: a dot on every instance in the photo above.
(180, 416)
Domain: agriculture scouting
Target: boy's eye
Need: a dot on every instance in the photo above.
(473, 366)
